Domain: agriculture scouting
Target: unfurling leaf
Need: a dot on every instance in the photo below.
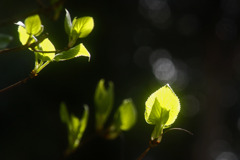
(162, 108)
(103, 100)
(74, 52)
(76, 127)
(67, 22)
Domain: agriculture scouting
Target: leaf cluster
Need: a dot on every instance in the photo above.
(30, 34)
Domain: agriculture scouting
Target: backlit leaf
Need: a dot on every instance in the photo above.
(82, 26)
(46, 45)
(23, 36)
(159, 117)
(33, 25)
(67, 22)
(125, 117)
(168, 100)
(74, 52)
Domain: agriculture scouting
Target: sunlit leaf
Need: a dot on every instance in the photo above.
(46, 45)
(74, 52)
(67, 22)
(168, 100)
(23, 36)
(103, 100)
(82, 26)
(33, 25)
(125, 117)
(159, 116)
(5, 40)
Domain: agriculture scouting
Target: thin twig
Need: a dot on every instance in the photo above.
(26, 46)
(152, 144)
(32, 75)
(180, 129)
(144, 153)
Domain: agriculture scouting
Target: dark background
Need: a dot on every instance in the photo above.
(140, 45)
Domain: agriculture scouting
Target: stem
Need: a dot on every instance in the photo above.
(42, 66)
(180, 129)
(144, 153)
(36, 61)
(157, 132)
(152, 144)
(32, 75)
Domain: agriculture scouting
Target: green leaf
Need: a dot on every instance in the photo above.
(33, 25)
(74, 52)
(84, 121)
(64, 113)
(168, 100)
(159, 116)
(125, 117)
(5, 40)
(46, 45)
(23, 36)
(67, 22)
(77, 128)
(82, 26)
(103, 100)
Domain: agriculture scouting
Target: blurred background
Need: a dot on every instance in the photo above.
(140, 45)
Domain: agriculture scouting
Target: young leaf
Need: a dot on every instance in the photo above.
(82, 26)
(77, 128)
(125, 117)
(67, 22)
(103, 100)
(23, 36)
(33, 25)
(168, 100)
(74, 52)
(46, 45)
(83, 121)
(159, 117)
